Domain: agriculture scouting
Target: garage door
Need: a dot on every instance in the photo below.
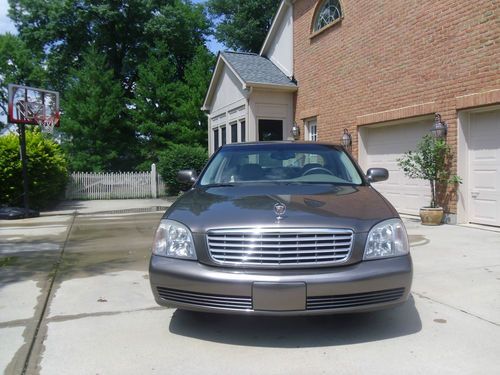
(484, 168)
(383, 145)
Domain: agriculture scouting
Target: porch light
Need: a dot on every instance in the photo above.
(440, 128)
(295, 131)
(346, 139)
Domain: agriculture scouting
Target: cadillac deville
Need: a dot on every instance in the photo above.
(285, 228)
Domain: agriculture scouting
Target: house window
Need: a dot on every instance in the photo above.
(223, 140)
(312, 130)
(243, 131)
(216, 139)
(234, 133)
(328, 13)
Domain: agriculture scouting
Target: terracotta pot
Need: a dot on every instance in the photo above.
(431, 216)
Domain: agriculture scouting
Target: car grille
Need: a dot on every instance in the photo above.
(279, 247)
(207, 300)
(352, 300)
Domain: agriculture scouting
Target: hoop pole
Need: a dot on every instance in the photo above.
(24, 163)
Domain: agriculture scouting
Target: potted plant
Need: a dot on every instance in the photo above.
(431, 162)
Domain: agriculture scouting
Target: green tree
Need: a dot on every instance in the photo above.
(166, 109)
(18, 64)
(155, 71)
(62, 28)
(97, 135)
(243, 25)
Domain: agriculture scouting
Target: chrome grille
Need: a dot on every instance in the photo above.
(207, 300)
(352, 300)
(279, 247)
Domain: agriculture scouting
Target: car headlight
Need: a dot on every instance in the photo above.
(387, 239)
(173, 239)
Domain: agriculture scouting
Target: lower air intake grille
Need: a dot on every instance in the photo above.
(206, 300)
(352, 300)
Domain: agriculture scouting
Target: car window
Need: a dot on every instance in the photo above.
(281, 163)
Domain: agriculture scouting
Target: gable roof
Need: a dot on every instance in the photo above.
(252, 70)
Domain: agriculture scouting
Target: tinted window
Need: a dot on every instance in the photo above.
(281, 163)
(234, 133)
(223, 136)
(243, 131)
(216, 139)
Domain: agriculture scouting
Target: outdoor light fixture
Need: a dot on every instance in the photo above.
(346, 139)
(295, 131)
(440, 128)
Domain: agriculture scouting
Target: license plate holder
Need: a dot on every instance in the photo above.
(279, 296)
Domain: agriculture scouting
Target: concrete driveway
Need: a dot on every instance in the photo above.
(75, 299)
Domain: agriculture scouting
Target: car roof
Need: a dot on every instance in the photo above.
(261, 143)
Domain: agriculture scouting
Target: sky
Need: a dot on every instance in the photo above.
(6, 25)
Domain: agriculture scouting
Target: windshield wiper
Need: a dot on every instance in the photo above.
(217, 185)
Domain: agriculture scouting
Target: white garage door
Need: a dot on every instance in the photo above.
(382, 147)
(484, 168)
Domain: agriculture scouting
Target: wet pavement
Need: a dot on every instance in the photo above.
(75, 299)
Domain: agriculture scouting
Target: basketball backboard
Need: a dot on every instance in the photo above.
(30, 105)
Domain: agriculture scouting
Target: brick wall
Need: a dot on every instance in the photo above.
(395, 59)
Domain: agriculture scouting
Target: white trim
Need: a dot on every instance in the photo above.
(276, 20)
(215, 77)
(271, 86)
(463, 162)
(308, 124)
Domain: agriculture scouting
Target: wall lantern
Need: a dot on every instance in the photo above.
(346, 139)
(295, 131)
(440, 128)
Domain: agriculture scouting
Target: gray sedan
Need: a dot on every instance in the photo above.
(285, 228)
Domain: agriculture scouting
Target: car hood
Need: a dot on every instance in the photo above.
(355, 207)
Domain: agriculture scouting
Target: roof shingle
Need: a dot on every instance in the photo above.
(254, 68)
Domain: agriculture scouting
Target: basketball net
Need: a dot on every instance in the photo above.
(47, 124)
(37, 112)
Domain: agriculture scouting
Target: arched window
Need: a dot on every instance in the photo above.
(328, 12)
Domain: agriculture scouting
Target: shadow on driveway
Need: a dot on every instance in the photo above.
(298, 332)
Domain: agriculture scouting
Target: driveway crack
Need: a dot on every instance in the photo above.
(456, 308)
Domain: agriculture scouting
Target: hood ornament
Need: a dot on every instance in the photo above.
(279, 210)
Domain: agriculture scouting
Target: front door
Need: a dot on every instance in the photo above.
(270, 130)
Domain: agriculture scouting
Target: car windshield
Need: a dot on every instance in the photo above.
(281, 163)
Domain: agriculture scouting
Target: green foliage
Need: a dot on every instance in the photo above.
(97, 135)
(47, 170)
(243, 25)
(430, 161)
(63, 28)
(180, 157)
(141, 83)
(166, 109)
(18, 64)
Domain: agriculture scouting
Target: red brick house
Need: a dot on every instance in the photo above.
(381, 69)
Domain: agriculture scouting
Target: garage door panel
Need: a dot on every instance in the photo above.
(384, 146)
(484, 168)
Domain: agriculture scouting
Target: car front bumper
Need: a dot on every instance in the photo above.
(365, 286)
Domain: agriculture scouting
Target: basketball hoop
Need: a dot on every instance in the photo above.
(47, 124)
(30, 105)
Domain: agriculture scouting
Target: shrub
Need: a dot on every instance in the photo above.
(431, 161)
(179, 157)
(47, 170)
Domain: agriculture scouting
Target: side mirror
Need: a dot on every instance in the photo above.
(377, 174)
(186, 176)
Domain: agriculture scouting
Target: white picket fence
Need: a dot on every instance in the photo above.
(117, 185)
